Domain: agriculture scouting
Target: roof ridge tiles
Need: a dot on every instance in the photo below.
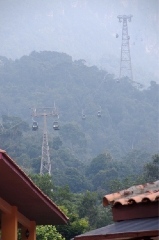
(152, 197)
(2, 151)
(134, 194)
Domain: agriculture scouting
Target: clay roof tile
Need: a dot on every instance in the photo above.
(134, 194)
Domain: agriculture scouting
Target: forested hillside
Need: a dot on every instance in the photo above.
(65, 55)
(128, 122)
(90, 157)
(129, 115)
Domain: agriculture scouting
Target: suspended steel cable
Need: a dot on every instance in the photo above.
(6, 130)
(93, 94)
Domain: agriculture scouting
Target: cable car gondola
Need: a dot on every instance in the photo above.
(56, 125)
(35, 126)
(99, 114)
(83, 116)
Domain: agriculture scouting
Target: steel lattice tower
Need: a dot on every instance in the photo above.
(45, 167)
(125, 60)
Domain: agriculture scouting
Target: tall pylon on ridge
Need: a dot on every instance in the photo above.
(125, 59)
(45, 167)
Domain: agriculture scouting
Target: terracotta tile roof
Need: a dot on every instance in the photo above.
(135, 194)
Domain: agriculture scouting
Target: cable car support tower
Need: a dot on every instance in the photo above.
(125, 60)
(45, 112)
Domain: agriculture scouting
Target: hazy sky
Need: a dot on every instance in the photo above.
(83, 29)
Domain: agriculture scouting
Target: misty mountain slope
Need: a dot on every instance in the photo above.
(129, 116)
(85, 30)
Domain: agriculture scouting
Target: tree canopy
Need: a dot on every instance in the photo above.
(91, 157)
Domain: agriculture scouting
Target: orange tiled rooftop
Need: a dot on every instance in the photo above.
(148, 192)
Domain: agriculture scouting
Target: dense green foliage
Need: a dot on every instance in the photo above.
(151, 169)
(67, 202)
(47, 233)
(90, 157)
(85, 154)
(85, 211)
(129, 116)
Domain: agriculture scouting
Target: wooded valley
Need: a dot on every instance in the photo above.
(90, 157)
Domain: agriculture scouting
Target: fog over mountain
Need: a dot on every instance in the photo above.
(61, 59)
(84, 29)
